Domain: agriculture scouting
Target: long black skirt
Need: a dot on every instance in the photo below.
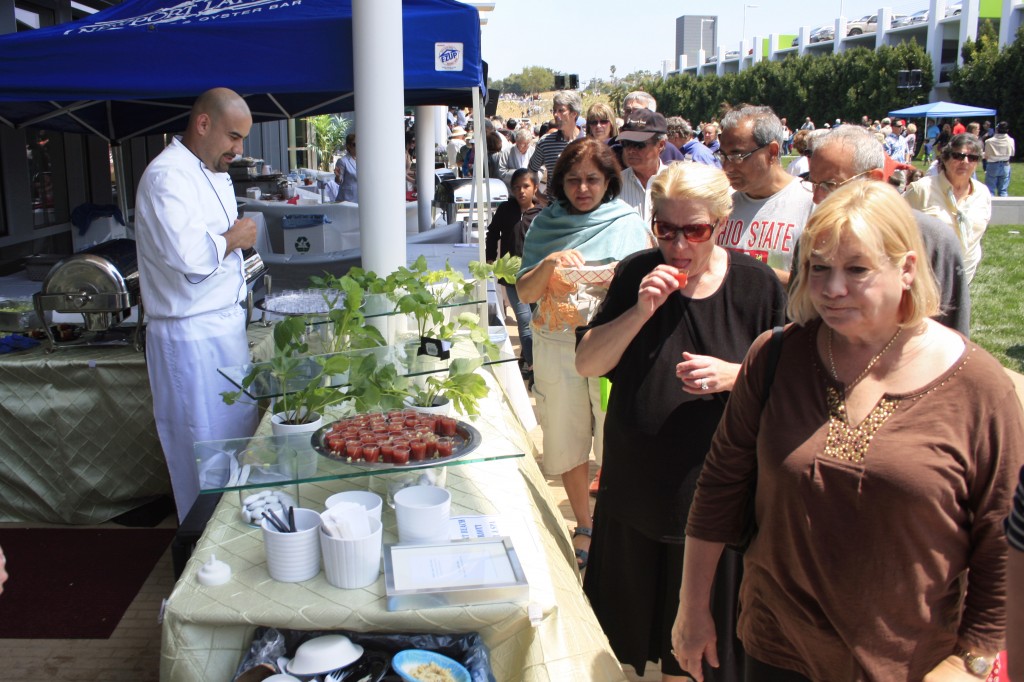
(633, 586)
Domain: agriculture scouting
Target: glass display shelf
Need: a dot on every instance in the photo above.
(266, 382)
(269, 461)
(374, 306)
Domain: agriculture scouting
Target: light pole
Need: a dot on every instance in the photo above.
(743, 37)
(702, 22)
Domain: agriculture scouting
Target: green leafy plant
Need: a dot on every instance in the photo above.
(375, 385)
(297, 377)
(461, 385)
(348, 322)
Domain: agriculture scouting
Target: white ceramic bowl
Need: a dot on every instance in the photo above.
(323, 654)
(405, 662)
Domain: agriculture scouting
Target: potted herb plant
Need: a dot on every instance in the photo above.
(298, 379)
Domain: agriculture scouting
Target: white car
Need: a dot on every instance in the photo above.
(954, 8)
(866, 24)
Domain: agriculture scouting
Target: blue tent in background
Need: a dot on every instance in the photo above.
(943, 110)
(134, 69)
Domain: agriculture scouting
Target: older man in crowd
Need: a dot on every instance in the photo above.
(642, 136)
(681, 135)
(711, 137)
(770, 208)
(638, 99)
(851, 153)
(566, 109)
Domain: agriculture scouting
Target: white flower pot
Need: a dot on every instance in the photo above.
(279, 428)
(442, 408)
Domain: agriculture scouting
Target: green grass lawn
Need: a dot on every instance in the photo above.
(997, 306)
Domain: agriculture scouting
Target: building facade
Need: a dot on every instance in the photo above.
(942, 29)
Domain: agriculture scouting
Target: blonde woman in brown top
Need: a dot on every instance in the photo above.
(885, 458)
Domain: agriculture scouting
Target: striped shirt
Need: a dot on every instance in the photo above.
(1015, 522)
(635, 194)
(548, 150)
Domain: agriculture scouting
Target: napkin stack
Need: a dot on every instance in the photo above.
(347, 521)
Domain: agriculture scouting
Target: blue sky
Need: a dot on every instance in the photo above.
(589, 36)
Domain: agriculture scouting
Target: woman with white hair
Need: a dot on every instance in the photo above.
(517, 156)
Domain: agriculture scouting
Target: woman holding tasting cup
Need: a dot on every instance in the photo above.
(883, 464)
(671, 334)
(569, 256)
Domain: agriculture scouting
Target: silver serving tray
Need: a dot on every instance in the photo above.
(467, 439)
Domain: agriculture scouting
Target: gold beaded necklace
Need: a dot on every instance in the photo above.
(878, 356)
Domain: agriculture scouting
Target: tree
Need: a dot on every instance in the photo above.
(535, 79)
(329, 136)
(846, 85)
(991, 77)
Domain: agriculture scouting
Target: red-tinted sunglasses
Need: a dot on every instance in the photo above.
(696, 233)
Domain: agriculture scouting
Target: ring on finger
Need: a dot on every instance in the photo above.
(703, 383)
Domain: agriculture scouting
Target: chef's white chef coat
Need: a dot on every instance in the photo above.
(181, 211)
(191, 293)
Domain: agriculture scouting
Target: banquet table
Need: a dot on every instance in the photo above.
(78, 442)
(207, 630)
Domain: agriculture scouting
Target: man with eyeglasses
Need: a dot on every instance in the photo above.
(850, 154)
(566, 109)
(770, 208)
(642, 137)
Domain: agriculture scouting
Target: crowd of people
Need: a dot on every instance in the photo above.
(805, 463)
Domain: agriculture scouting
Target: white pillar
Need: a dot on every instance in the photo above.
(425, 164)
(380, 109)
(1009, 23)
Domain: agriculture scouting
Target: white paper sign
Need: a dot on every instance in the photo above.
(432, 567)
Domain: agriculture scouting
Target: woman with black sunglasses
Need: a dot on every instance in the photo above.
(956, 197)
(671, 335)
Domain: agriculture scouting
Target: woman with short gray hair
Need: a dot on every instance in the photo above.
(956, 197)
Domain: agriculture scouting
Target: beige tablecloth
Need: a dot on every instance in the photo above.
(207, 630)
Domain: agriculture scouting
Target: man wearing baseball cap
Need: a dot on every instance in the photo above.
(642, 137)
(895, 144)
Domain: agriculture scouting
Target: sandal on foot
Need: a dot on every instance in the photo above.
(582, 555)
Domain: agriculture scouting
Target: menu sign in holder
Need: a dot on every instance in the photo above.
(453, 574)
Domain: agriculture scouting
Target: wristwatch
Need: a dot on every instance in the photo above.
(979, 666)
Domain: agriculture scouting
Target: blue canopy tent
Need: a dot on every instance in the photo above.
(942, 110)
(134, 69)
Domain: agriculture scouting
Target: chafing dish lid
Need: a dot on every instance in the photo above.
(102, 269)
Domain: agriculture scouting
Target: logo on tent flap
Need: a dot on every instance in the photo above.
(187, 12)
(447, 56)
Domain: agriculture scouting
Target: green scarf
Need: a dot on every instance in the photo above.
(609, 233)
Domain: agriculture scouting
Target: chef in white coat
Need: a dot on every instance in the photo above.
(189, 239)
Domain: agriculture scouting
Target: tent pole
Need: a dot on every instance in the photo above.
(479, 166)
(117, 155)
(424, 129)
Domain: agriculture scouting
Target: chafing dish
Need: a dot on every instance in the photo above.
(102, 284)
